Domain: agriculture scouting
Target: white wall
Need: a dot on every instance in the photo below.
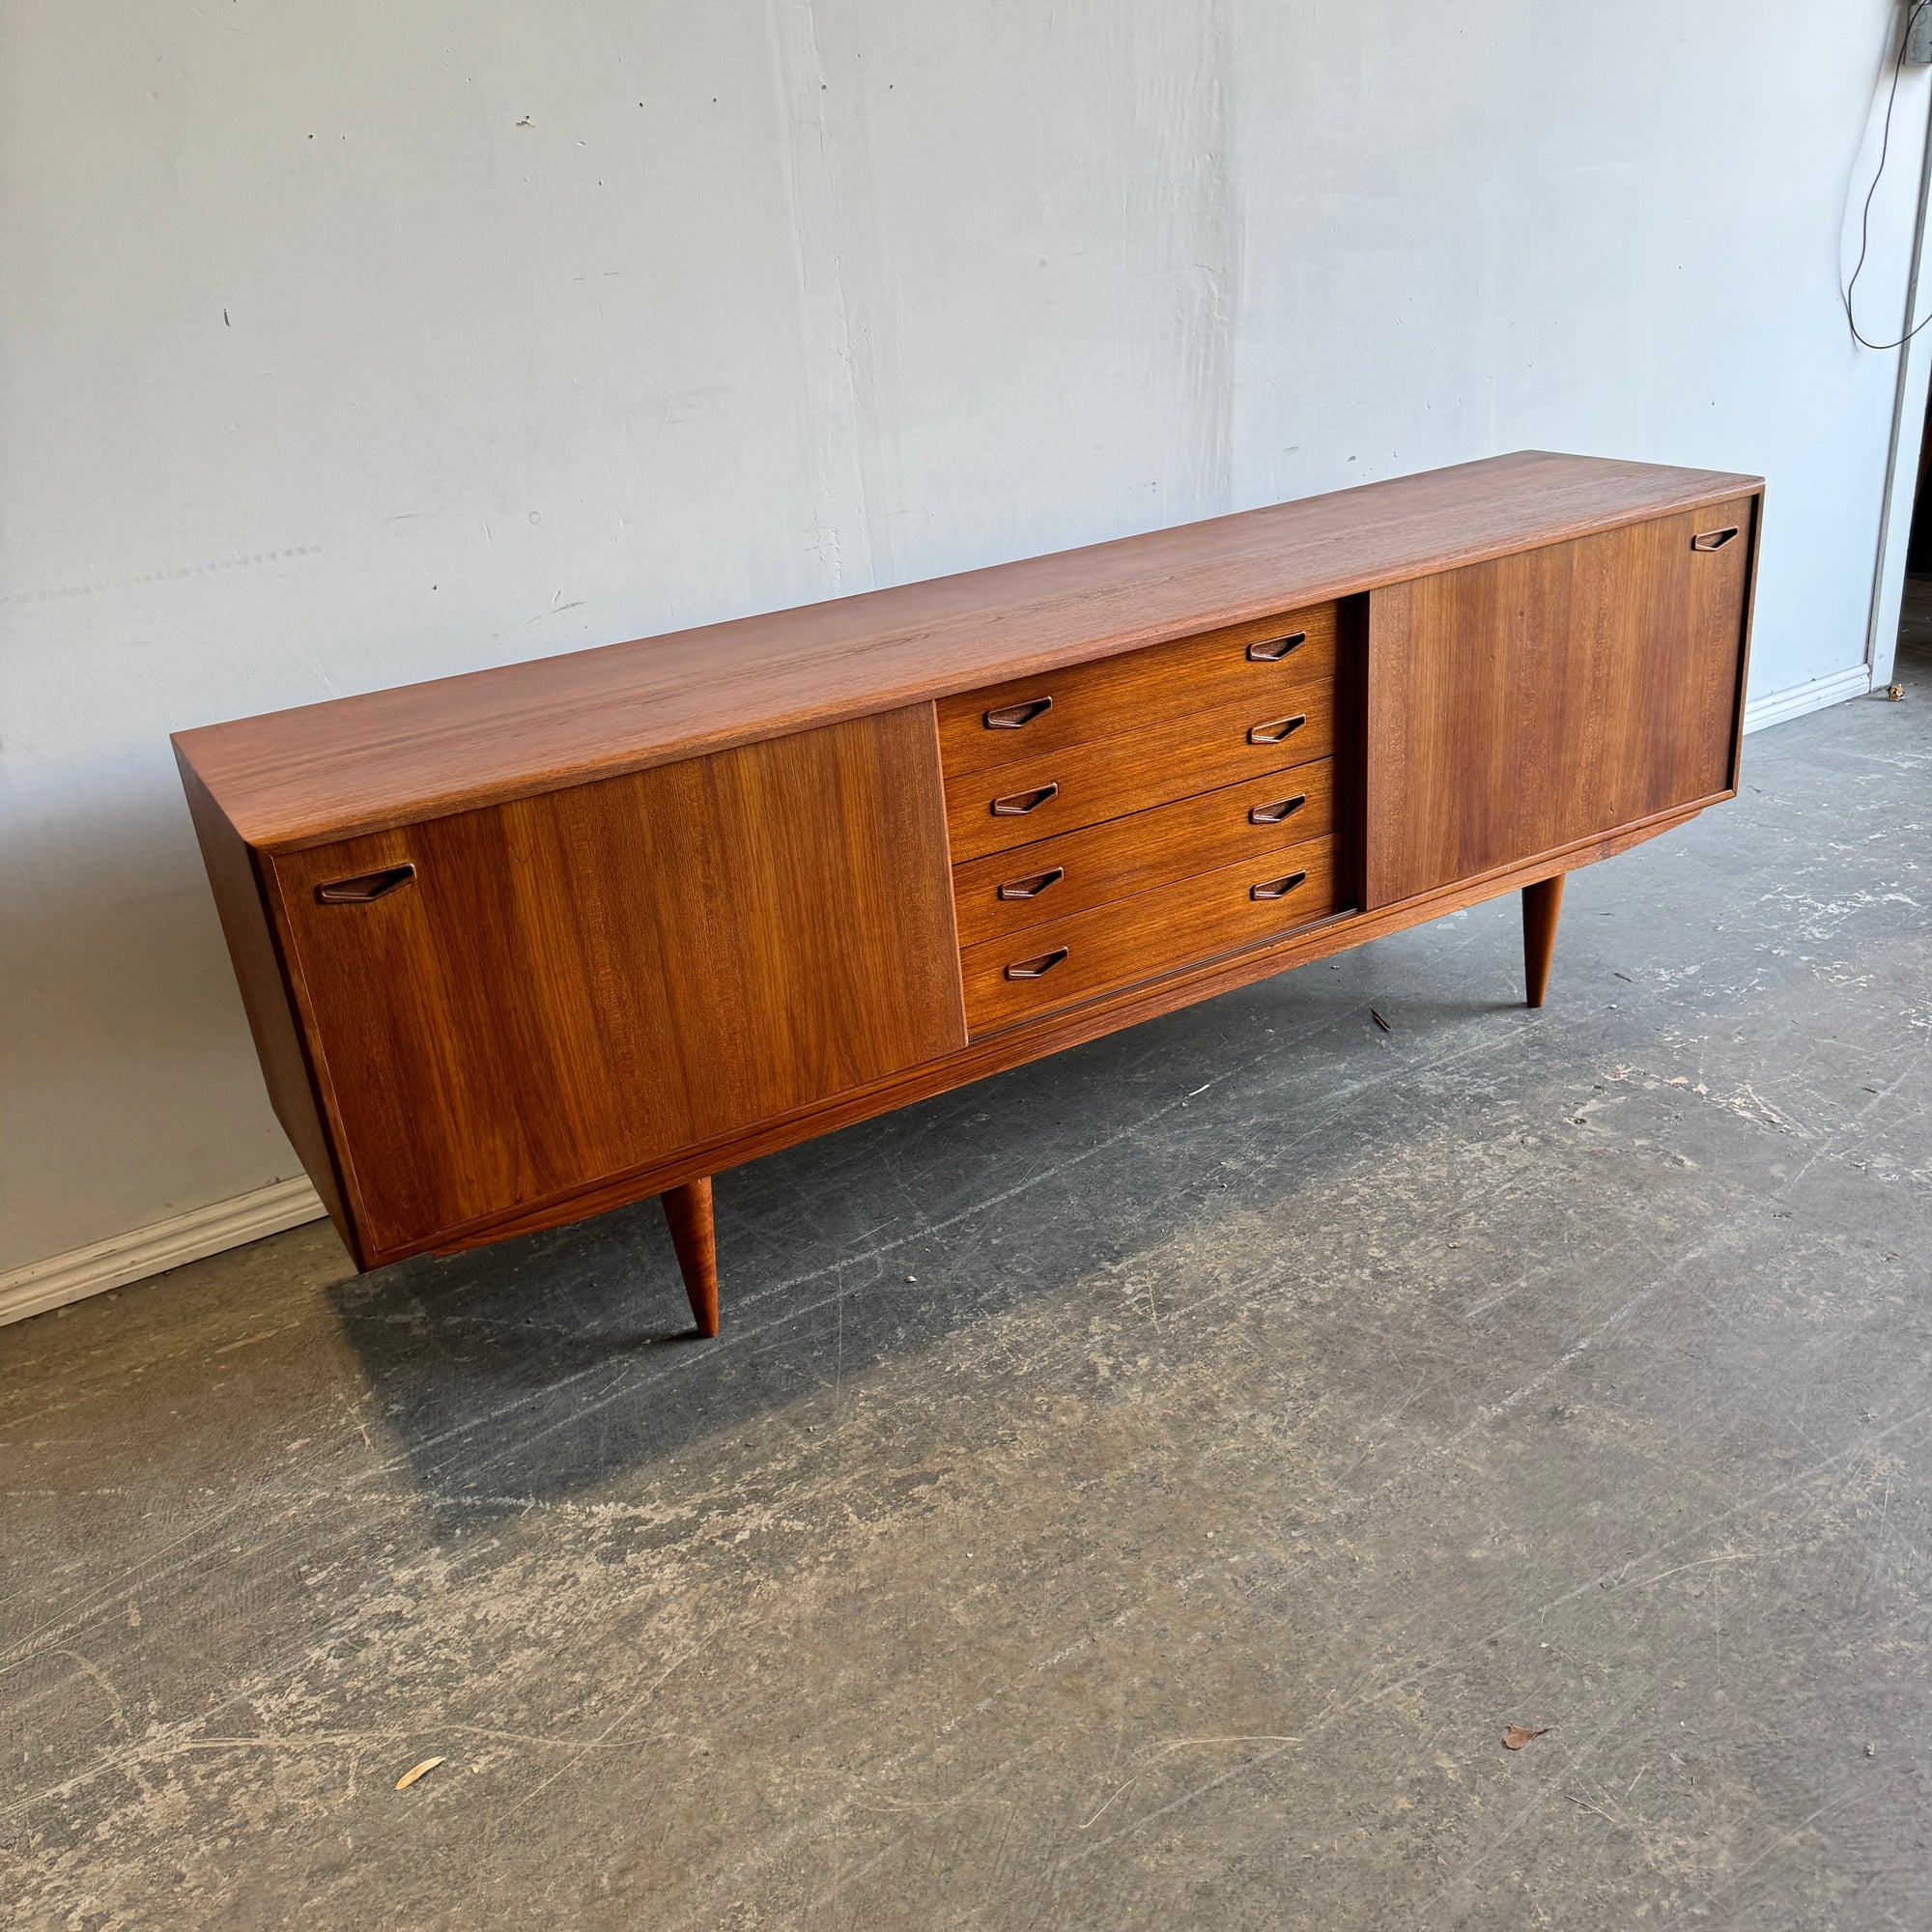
(346, 343)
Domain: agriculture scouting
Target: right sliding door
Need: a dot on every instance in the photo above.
(1520, 705)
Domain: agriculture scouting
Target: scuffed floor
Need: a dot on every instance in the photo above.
(1134, 1493)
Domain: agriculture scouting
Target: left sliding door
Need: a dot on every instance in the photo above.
(510, 1005)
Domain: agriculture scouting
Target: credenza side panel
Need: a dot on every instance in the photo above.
(242, 908)
(584, 981)
(1520, 705)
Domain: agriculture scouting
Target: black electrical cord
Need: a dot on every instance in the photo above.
(1864, 224)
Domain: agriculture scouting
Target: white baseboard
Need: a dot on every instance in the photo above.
(184, 1237)
(1776, 707)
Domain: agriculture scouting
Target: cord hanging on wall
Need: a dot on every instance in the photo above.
(1918, 34)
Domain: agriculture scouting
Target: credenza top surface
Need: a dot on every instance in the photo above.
(322, 772)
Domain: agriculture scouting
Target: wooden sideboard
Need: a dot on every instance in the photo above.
(519, 946)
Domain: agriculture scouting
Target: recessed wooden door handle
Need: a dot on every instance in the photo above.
(1282, 808)
(1271, 650)
(365, 885)
(1030, 888)
(1034, 969)
(1276, 889)
(1274, 732)
(1011, 717)
(1018, 804)
(1713, 539)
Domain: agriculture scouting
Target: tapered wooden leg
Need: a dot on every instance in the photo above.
(687, 1210)
(1541, 903)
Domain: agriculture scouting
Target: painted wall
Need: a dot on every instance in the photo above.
(343, 344)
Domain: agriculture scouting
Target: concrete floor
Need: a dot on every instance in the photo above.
(1137, 1492)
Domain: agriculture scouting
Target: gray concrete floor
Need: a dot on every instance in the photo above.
(1137, 1492)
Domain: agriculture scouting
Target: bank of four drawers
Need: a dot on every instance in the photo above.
(1120, 819)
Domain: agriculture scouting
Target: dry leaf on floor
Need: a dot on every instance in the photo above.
(1516, 1737)
(1379, 1021)
(416, 1771)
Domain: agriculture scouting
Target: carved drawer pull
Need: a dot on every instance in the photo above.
(1030, 888)
(1273, 733)
(1034, 969)
(1282, 808)
(1271, 650)
(1011, 717)
(1018, 804)
(365, 887)
(1713, 539)
(1276, 889)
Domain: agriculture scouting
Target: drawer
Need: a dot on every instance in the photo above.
(1248, 662)
(1006, 892)
(1065, 960)
(1015, 805)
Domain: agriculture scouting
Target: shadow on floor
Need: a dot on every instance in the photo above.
(543, 1366)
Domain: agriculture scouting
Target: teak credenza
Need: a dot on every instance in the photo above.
(519, 946)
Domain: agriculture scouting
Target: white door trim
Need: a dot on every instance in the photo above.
(1901, 476)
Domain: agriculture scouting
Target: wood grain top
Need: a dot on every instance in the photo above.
(355, 765)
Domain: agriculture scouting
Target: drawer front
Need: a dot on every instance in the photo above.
(1015, 805)
(1069, 959)
(1006, 892)
(1028, 715)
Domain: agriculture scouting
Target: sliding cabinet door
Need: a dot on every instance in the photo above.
(507, 1006)
(1521, 705)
